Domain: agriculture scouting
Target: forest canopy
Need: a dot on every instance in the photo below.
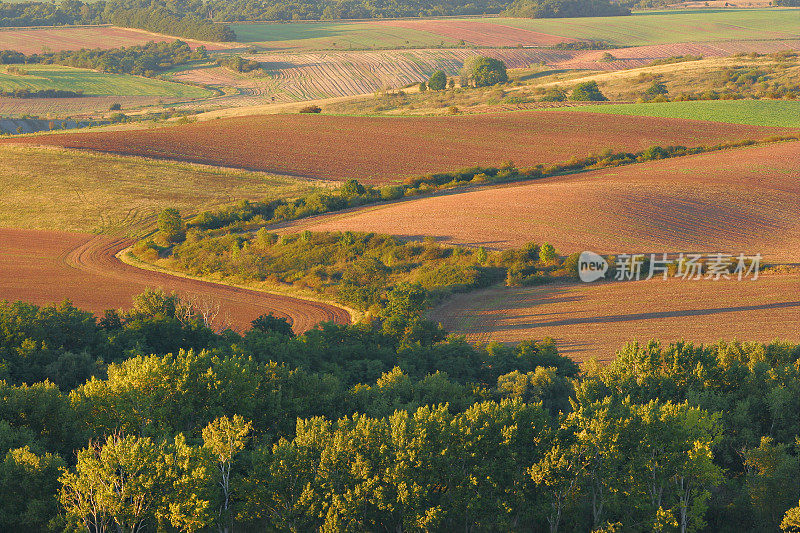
(203, 20)
(565, 8)
(167, 424)
(182, 18)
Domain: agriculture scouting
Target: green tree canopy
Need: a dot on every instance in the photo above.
(171, 225)
(484, 71)
(437, 81)
(588, 92)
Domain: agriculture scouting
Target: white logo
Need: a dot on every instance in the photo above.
(591, 267)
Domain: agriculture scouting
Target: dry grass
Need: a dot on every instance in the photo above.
(49, 188)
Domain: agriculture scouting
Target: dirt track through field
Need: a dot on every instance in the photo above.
(49, 267)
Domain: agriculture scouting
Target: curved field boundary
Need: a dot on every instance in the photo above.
(46, 267)
(731, 201)
(382, 150)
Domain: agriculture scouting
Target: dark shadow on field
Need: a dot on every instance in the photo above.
(284, 65)
(610, 319)
(447, 239)
(264, 32)
(542, 74)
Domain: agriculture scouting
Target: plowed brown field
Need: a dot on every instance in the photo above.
(742, 200)
(46, 267)
(480, 33)
(596, 320)
(381, 150)
(641, 56)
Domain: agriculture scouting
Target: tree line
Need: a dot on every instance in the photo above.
(183, 18)
(139, 60)
(205, 20)
(367, 427)
(566, 8)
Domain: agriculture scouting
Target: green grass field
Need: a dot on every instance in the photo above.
(39, 77)
(46, 188)
(662, 27)
(781, 113)
(654, 27)
(335, 35)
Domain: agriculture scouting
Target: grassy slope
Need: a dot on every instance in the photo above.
(95, 83)
(334, 35)
(44, 188)
(754, 112)
(672, 26)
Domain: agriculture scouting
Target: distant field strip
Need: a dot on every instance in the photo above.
(642, 56)
(782, 113)
(480, 33)
(740, 200)
(335, 35)
(639, 29)
(300, 76)
(56, 39)
(385, 149)
(596, 320)
(671, 26)
(94, 83)
(306, 76)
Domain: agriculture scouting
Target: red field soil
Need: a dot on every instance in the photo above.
(382, 149)
(596, 320)
(640, 56)
(56, 39)
(745, 200)
(49, 267)
(480, 33)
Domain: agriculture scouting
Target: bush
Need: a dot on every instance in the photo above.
(117, 118)
(171, 225)
(547, 253)
(437, 81)
(588, 92)
(115, 107)
(485, 71)
(311, 109)
(657, 89)
(555, 94)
